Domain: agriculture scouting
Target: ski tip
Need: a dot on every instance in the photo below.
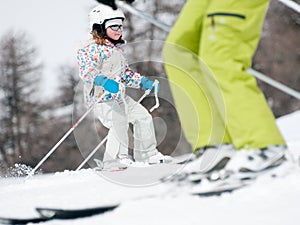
(21, 220)
(47, 214)
(218, 191)
(55, 213)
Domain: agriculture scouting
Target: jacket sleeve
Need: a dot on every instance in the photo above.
(132, 78)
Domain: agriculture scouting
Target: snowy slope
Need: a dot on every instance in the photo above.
(290, 128)
(147, 202)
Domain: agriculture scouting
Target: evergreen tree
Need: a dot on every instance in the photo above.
(19, 75)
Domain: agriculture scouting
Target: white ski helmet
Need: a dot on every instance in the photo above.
(103, 13)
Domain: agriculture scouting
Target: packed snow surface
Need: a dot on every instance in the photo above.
(145, 201)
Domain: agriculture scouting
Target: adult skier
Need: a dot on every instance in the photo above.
(106, 75)
(232, 118)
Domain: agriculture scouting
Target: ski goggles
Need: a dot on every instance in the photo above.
(116, 27)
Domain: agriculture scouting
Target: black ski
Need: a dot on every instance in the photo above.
(63, 214)
(219, 188)
(221, 182)
(22, 220)
(73, 213)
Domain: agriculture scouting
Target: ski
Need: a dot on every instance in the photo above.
(22, 220)
(220, 182)
(55, 213)
(73, 213)
(115, 165)
(218, 188)
(110, 165)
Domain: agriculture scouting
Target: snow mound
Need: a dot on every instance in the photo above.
(268, 201)
(290, 126)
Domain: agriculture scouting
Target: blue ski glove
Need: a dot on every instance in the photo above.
(148, 84)
(108, 84)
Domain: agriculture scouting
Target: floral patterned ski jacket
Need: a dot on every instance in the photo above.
(108, 60)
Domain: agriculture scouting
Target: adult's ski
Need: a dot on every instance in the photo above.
(223, 181)
(218, 188)
(22, 220)
(46, 214)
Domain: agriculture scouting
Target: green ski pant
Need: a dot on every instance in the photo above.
(206, 56)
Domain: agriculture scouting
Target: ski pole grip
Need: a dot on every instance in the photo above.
(156, 84)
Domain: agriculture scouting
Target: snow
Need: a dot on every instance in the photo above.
(144, 200)
(289, 126)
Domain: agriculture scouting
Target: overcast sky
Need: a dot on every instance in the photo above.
(55, 27)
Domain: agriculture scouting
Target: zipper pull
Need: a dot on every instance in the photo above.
(213, 22)
(92, 92)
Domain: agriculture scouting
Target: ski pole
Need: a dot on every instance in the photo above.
(91, 154)
(291, 4)
(275, 83)
(143, 15)
(60, 141)
(147, 92)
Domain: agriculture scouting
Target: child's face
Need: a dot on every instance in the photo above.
(114, 32)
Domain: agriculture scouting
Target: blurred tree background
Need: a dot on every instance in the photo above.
(31, 127)
(278, 56)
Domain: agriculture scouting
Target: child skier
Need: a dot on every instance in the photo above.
(106, 74)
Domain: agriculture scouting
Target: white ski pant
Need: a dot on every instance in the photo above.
(116, 116)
